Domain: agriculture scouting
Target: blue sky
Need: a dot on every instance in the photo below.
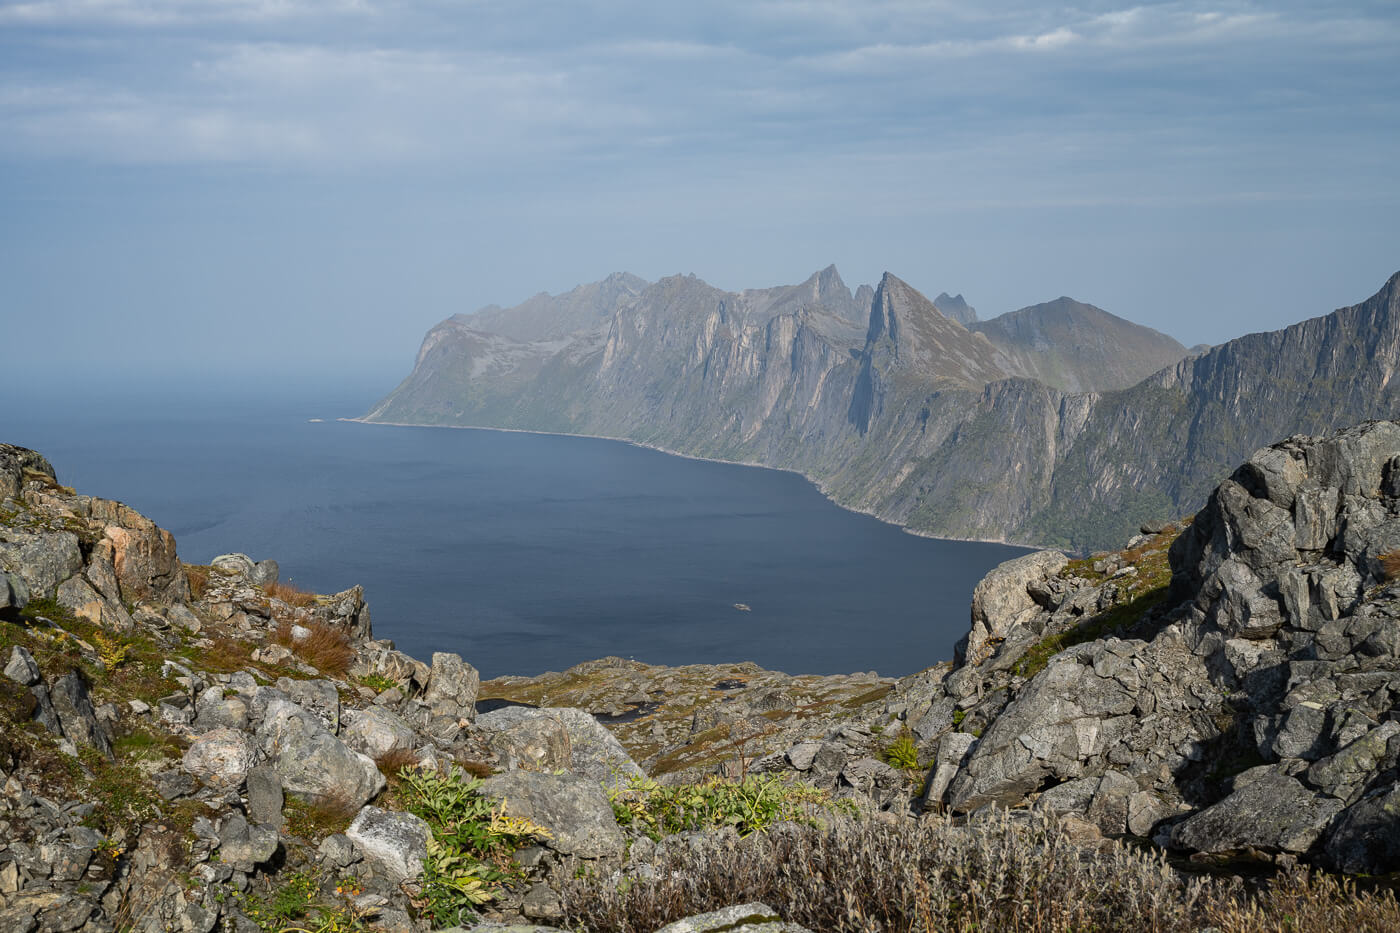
(262, 190)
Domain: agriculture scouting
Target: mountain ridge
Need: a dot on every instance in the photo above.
(927, 423)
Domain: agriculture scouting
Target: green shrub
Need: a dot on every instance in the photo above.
(473, 843)
(902, 753)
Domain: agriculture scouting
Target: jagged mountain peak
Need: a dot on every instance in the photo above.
(908, 330)
(956, 308)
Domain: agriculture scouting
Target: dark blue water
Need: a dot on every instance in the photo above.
(527, 553)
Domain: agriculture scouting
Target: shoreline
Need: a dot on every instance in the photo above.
(676, 453)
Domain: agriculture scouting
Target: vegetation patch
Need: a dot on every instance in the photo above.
(291, 595)
(470, 853)
(936, 876)
(749, 806)
(323, 646)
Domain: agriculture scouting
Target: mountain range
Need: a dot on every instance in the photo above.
(1058, 424)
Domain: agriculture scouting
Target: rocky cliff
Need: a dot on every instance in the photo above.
(867, 393)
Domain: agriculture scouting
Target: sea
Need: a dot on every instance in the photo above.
(521, 552)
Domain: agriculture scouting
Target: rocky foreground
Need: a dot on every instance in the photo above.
(200, 748)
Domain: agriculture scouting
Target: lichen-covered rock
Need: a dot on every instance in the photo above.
(220, 757)
(452, 685)
(73, 705)
(1268, 811)
(742, 918)
(396, 843)
(312, 763)
(572, 808)
(592, 750)
(142, 554)
(376, 732)
(1002, 600)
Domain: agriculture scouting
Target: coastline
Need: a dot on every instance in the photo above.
(817, 484)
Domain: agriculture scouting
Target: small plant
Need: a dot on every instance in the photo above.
(378, 682)
(1390, 565)
(319, 818)
(396, 760)
(473, 841)
(750, 805)
(112, 651)
(958, 716)
(902, 753)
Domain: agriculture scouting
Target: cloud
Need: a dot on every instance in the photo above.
(165, 12)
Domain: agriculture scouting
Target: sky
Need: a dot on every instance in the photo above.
(257, 192)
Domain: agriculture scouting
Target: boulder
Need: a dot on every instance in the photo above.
(1268, 811)
(742, 918)
(220, 758)
(40, 561)
(376, 731)
(593, 751)
(73, 706)
(1366, 837)
(452, 686)
(395, 843)
(236, 563)
(312, 763)
(22, 668)
(14, 462)
(572, 808)
(318, 697)
(1002, 600)
(243, 846)
(539, 743)
(14, 592)
(141, 553)
(265, 796)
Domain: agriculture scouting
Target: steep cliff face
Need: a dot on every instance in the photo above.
(980, 432)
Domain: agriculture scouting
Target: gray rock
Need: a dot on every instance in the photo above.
(537, 743)
(266, 573)
(265, 796)
(1267, 811)
(801, 755)
(396, 843)
(319, 697)
(14, 592)
(22, 668)
(572, 808)
(953, 751)
(1366, 837)
(220, 758)
(1346, 774)
(213, 710)
(244, 846)
(1002, 600)
(452, 685)
(73, 706)
(338, 850)
(593, 750)
(742, 918)
(312, 763)
(41, 561)
(375, 731)
(241, 564)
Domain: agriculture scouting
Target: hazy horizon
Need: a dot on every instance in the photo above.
(257, 193)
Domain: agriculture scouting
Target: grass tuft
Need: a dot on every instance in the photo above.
(326, 648)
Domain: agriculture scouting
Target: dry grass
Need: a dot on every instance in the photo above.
(317, 819)
(226, 655)
(1390, 565)
(479, 769)
(198, 576)
(326, 648)
(395, 760)
(290, 595)
(1003, 875)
